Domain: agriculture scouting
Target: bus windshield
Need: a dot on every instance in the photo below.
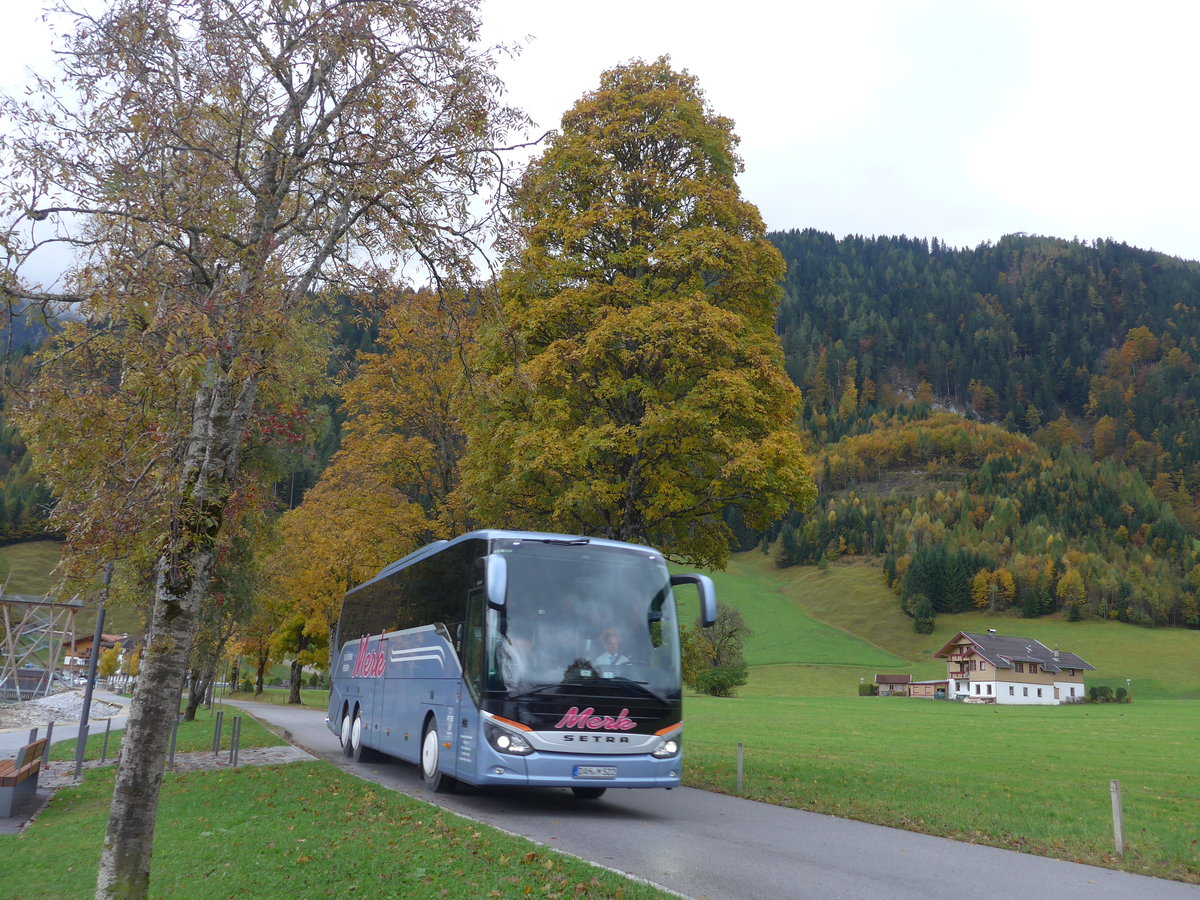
(597, 616)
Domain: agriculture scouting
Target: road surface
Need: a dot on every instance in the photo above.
(714, 847)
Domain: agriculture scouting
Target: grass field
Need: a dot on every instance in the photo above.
(25, 568)
(189, 737)
(317, 698)
(1022, 777)
(301, 830)
(1028, 778)
(28, 568)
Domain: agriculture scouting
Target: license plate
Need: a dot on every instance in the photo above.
(595, 771)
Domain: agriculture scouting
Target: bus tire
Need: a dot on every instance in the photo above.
(344, 731)
(588, 793)
(358, 752)
(431, 754)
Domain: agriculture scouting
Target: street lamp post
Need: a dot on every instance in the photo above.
(1128, 690)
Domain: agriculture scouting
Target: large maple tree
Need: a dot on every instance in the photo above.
(632, 384)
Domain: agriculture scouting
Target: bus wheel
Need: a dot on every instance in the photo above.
(344, 732)
(431, 752)
(358, 752)
(588, 793)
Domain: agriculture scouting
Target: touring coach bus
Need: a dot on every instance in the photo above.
(512, 658)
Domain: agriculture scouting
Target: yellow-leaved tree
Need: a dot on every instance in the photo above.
(633, 386)
(392, 485)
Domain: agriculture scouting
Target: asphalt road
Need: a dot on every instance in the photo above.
(715, 847)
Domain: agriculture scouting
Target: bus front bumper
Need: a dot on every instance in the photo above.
(570, 770)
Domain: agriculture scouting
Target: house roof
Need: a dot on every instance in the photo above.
(1002, 651)
(893, 679)
(105, 639)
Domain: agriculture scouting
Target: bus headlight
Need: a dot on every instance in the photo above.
(666, 748)
(505, 741)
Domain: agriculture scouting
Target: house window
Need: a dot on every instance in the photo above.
(1033, 668)
(982, 666)
(1039, 692)
(1024, 692)
(1020, 667)
(1012, 690)
(977, 689)
(1072, 673)
(1072, 690)
(989, 690)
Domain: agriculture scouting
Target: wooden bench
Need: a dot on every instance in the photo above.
(20, 774)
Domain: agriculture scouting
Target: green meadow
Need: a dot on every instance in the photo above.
(1027, 778)
(259, 831)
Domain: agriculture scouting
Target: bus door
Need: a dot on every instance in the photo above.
(470, 652)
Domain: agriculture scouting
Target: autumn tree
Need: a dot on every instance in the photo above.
(713, 660)
(633, 385)
(393, 484)
(217, 165)
(109, 663)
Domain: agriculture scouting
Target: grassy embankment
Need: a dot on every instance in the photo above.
(1029, 778)
(28, 567)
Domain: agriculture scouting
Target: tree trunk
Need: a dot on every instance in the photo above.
(197, 692)
(232, 686)
(294, 687)
(125, 861)
(183, 574)
(258, 681)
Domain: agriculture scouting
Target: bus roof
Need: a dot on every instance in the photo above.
(493, 534)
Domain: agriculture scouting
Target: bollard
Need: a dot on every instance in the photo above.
(32, 735)
(1114, 788)
(174, 731)
(220, 717)
(235, 740)
(107, 729)
(741, 755)
(49, 741)
(80, 744)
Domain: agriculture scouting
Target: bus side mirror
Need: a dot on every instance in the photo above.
(708, 595)
(497, 579)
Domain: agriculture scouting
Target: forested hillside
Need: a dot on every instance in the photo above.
(1015, 426)
(1065, 476)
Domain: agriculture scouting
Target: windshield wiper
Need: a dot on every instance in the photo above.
(534, 691)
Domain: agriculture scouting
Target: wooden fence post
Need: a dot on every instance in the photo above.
(1114, 788)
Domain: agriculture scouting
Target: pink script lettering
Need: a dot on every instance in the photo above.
(588, 719)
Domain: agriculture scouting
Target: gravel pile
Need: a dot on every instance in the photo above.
(64, 707)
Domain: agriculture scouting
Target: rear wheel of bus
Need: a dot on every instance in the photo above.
(344, 731)
(431, 753)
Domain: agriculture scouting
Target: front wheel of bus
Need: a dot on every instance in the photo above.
(431, 752)
(589, 793)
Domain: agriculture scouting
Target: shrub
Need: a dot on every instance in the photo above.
(720, 681)
(868, 690)
(1122, 695)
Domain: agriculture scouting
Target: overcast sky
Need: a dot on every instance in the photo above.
(959, 119)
